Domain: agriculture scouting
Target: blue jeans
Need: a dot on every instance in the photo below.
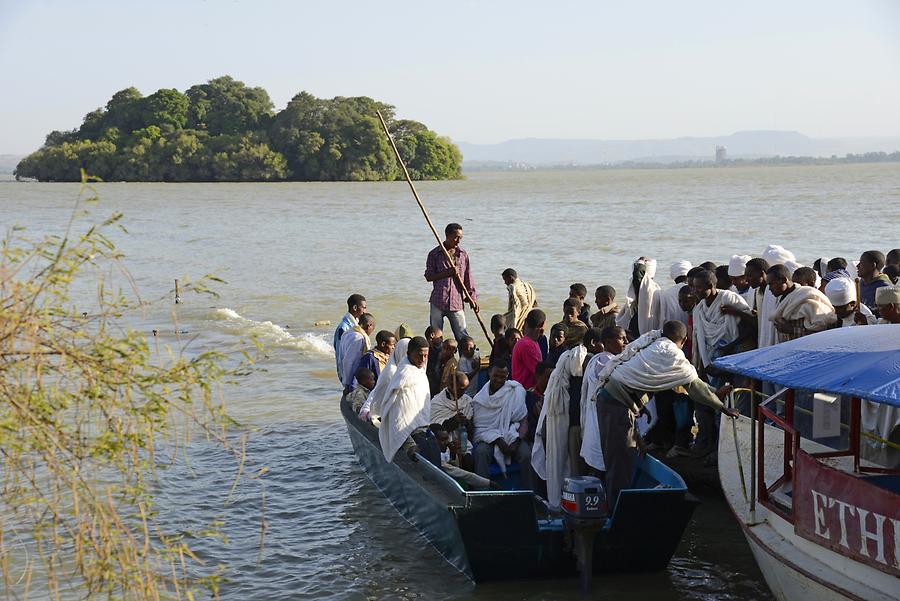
(457, 321)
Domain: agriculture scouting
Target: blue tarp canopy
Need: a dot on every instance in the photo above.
(861, 361)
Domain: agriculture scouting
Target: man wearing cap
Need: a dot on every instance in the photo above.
(739, 283)
(842, 294)
(888, 300)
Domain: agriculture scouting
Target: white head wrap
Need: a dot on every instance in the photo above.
(823, 265)
(777, 255)
(840, 291)
(792, 266)
(887, 295)
(679, 268)
(737, 264)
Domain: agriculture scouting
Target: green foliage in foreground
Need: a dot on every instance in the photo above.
(88, 411)
(224, 130)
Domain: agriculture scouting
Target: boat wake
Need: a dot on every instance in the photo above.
(270, 334)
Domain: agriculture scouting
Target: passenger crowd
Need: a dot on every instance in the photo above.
(572, 398)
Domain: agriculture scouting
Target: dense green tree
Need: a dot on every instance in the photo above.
(224, 130)
(227, 106)
(167, 108)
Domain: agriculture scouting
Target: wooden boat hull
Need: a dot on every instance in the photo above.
(508, 535)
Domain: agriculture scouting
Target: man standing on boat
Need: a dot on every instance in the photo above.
(356, 306)
(652, 363)
(447, 296)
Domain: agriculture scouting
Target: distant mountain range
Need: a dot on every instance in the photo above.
(745, 144)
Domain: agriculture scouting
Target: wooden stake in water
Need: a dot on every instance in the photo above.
(177, 296)
(437, 237)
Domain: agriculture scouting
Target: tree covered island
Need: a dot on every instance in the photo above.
(224, 130)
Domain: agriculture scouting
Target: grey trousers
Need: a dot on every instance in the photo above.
(618, 439)
(484, 454)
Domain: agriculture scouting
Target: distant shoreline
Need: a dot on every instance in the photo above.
(776, 161)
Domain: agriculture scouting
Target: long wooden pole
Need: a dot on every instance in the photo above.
(433, 230)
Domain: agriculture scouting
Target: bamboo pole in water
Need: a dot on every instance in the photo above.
(434, 231)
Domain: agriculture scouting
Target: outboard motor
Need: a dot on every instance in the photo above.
(584, 511)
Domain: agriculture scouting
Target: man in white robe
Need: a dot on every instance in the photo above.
(717, 331)
(801, 310)
(665, 302)
(636, 315)
(406, 409)
(372, 407)
(614, 341)
(354, 344)
(550, 455)
(452, 408)
(500, 417)
(652, 363)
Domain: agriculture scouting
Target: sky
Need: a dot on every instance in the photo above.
(478, 72)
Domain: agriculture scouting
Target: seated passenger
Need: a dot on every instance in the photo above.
(450, 460)
(444, 367)
(452, 407)
(501, 422)
(469, 362)
(365, 382)
(406, 408)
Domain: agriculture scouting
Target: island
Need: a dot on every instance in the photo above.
(226, 131)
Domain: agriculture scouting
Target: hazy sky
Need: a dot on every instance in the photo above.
(476, 71)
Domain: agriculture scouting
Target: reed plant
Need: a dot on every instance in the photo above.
(89, 410)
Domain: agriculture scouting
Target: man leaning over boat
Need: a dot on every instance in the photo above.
(652, 363)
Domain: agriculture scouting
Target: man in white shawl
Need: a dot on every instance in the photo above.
(652, 363)
(354, 343)
(500, 417)
(522, 299)
(665, 303)
(636, 314)
(614, 342)
(766, 302)
(406, 408)
(372, 406)
(550, 454)
(452, 408)
(717, 320)
(801, 310)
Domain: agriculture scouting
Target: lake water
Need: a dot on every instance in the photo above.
(291, 253)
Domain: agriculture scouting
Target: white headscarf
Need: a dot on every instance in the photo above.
(840, 291)
(777, 255)
(679, 268)
(792, 266)
(737, 264)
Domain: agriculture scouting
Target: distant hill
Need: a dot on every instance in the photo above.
(8, 163)
(745, 144)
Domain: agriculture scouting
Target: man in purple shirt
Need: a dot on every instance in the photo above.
(447, 296)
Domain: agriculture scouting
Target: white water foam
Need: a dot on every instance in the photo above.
(271, 334)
